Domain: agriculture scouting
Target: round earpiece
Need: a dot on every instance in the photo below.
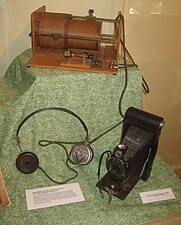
(27, 162)
(81, 154)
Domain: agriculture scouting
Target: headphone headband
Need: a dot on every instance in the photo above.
(54, 109)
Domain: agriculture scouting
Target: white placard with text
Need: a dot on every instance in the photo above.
(53, 196)
(157, 195)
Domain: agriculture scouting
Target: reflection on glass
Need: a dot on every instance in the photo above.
(157, 8)
(135, 7)
(138, 7)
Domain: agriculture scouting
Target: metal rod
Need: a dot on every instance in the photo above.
(95, 18)
(60, 36)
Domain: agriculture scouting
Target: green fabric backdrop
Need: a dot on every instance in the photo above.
(94, 97)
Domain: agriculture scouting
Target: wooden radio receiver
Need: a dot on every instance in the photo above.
(70, 42)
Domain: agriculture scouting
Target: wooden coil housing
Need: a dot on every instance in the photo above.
(54, 33)
(65, 26)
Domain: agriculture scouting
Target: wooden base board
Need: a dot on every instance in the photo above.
(170, 220)
(56, 59)
(177, 170)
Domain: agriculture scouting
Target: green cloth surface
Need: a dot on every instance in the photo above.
(94, 97)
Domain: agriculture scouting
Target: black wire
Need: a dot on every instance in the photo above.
(105, 132)
(100, 162)
(125, 69)
(45, 142)
(145, 86)
(68, 166)
(144, 83)
(128, 53)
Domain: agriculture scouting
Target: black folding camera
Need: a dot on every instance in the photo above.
(133, 157)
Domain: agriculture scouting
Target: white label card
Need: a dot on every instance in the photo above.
(157, 195)
(53, 196)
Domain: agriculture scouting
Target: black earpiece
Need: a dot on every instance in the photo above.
(27, 162)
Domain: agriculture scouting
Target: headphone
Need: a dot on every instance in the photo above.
(81, 153)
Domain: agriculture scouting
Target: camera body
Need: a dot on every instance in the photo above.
(133, 157)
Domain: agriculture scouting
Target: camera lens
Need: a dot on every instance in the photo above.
(116, 168)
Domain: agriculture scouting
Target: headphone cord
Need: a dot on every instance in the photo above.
(68, 166)
(47, 142)
(105, 132)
